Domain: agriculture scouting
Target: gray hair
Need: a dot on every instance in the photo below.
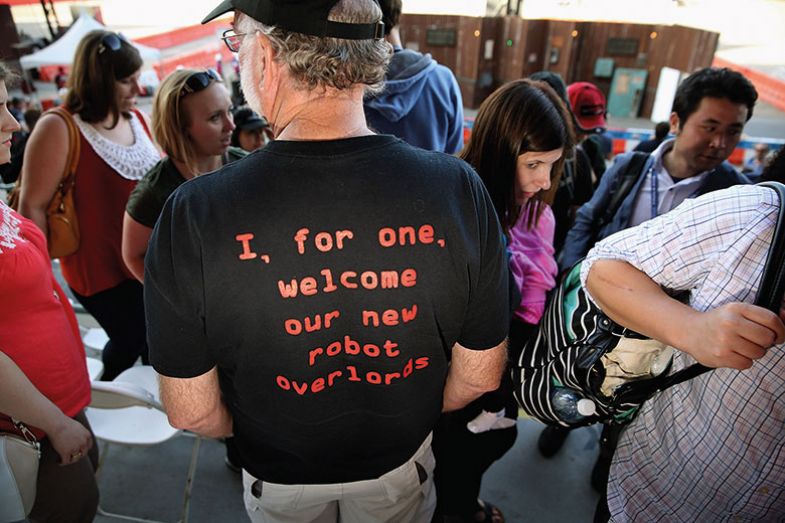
(316, 62)
(7, 76)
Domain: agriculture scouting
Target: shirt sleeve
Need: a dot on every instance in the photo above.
(532, 265)
(174, 292)
(487, 318)
(454, 143)
(678, 249)
(143, 204)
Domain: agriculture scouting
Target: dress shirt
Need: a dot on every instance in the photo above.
(669, 192)
(713, 448)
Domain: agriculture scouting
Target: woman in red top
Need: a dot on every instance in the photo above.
(115, 153)
(43, 376)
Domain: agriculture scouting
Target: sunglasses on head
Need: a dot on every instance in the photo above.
(112, 42)
(198, 81)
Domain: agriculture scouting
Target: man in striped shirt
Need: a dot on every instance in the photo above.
(713, 448)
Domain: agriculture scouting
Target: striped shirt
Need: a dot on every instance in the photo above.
(711, 449)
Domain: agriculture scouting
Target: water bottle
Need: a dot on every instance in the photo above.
(569, 406)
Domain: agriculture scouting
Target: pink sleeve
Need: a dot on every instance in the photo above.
(532, 265)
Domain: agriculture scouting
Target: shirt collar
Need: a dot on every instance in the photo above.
(658, 167)
(659, 152)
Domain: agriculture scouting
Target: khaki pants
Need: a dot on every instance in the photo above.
(405, 494)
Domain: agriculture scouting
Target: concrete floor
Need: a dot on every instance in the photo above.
(148, 482)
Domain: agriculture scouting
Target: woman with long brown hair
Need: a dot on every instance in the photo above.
(115, 152)
(517, 147)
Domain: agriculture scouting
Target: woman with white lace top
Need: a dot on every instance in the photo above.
(116, 150)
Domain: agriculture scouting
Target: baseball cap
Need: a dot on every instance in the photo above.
(588, 106)
(300, 16)
(246, 119)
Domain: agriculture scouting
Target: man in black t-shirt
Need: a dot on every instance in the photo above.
(325, 298)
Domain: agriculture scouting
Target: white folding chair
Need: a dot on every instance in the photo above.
(95, 368)
(94, 339)
(128, 411)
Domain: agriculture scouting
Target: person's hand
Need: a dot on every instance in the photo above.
(71, 440)
(734, 335)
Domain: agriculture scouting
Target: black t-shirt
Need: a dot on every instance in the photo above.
(328, 282)
(148, 197)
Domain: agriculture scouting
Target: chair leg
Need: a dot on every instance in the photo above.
(189, 480)
(103, 451)
(186, 494)
(102, 512)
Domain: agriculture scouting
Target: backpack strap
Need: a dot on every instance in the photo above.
(772, 285)
(622, 187)
(568, 176)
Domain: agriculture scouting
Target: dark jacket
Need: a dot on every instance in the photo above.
(421, 103)
(584, 233)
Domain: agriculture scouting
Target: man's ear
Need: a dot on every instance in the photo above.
(266, 54)
(270, 68)
(675, 123)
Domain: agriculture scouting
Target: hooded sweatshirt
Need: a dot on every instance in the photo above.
(421, 103)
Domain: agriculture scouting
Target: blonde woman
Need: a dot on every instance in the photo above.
(192, 122)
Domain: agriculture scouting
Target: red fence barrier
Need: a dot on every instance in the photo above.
(771, 90)
(183, 35)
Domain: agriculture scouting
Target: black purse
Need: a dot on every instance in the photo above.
(560, 376)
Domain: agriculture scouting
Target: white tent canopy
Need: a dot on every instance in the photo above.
(62, 51)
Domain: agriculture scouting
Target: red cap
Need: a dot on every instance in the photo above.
(588, 106)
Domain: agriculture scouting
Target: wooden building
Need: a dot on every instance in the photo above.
(624, 60)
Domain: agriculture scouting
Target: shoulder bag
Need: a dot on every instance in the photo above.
(63, 227)
(19, 458)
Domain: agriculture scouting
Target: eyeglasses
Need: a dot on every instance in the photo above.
(112, 42)
(198, 81)
(232, 40)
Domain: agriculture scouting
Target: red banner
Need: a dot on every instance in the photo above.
(30, 2)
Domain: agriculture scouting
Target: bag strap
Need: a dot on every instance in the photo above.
(568, 176)
(140, 116)
(24, 431)
(625, 182)
(770, 292)
(69, 173)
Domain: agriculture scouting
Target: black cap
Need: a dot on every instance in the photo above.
(300, 16)
(555, 81)
(246, 119)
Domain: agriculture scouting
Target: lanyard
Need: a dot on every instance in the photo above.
(655, 196)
